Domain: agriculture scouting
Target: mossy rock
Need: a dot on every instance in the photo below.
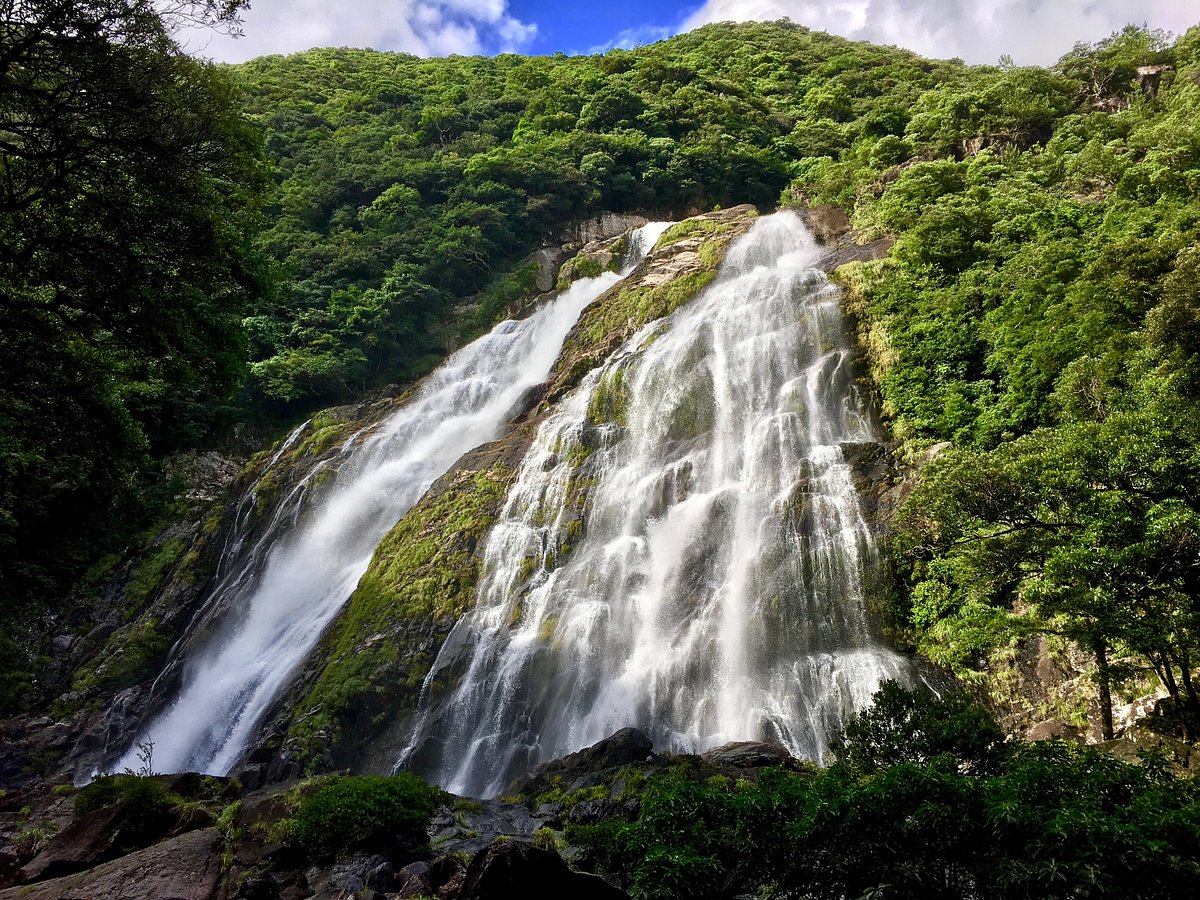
(684, 261)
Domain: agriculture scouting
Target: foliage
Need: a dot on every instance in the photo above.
(129, 182)
(1046, 225)
(144, 807)
(364, 812)
(1048, 820)
(903, 726)
(405, 183)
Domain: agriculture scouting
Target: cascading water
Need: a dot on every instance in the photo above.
(683, 550)
(285, 587)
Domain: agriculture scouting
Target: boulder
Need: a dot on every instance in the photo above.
(827, 222)
(601, 228)
(548, 261)
(512, 869)
(748, 755)
(623, 748)
(187, 867)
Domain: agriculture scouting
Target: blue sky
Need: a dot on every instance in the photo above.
(979, 31)
(577, 27)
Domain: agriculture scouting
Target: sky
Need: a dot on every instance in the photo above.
(979, 31)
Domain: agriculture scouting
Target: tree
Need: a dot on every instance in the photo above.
(129, 183)
(1090, 530)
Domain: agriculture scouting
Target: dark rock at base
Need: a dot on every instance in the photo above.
(591, 811)
(259, 886)
(511, 869)
(187, 867)
(421, 879)
(549, 813)
(372, 872)
(623, 748)
(748, 755)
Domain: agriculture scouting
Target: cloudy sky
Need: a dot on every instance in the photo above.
(1031, 31)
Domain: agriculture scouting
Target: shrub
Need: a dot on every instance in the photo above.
(364, 811)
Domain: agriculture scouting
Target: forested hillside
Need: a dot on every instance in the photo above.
(406, 182)
(195, 259)
(1038, 309)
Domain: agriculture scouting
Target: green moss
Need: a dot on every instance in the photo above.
(581, 266)
(130, 657)
(150, 573)
(323, 433)
(424, 569)
(613, 319)
(609, 403)
(689, 228)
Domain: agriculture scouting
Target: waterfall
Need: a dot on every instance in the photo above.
(683, 550)
(285, 588)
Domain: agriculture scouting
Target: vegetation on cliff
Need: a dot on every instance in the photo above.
(1039, 311)
(404, 183)
(130, 183)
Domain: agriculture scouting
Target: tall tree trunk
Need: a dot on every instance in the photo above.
(1105, 693)
(1188, 711)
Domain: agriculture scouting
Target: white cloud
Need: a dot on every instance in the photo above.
(422, 27)
(979, 31)
(635, 37)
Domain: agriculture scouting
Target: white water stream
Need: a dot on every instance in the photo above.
(683, 550)
(286, 586)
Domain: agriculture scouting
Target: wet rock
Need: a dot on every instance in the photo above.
(748, 755)
(259, 886)
(187, 867)
(474, 825)
(826, 221)
(548, 261)
(625, 747)
(421, 879)
(511, 869)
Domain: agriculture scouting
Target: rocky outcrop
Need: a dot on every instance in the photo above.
(511, 869)
(682, 263)
(602, 228)
(588, 766)
(187, 867)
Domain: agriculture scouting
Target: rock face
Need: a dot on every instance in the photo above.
(187, 867)
(601, 228)
(748, 755)
(582, 768)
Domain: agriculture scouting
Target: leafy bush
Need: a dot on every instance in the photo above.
(375, 811)
(145, 808)
(916, 726)
(1048, 820)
